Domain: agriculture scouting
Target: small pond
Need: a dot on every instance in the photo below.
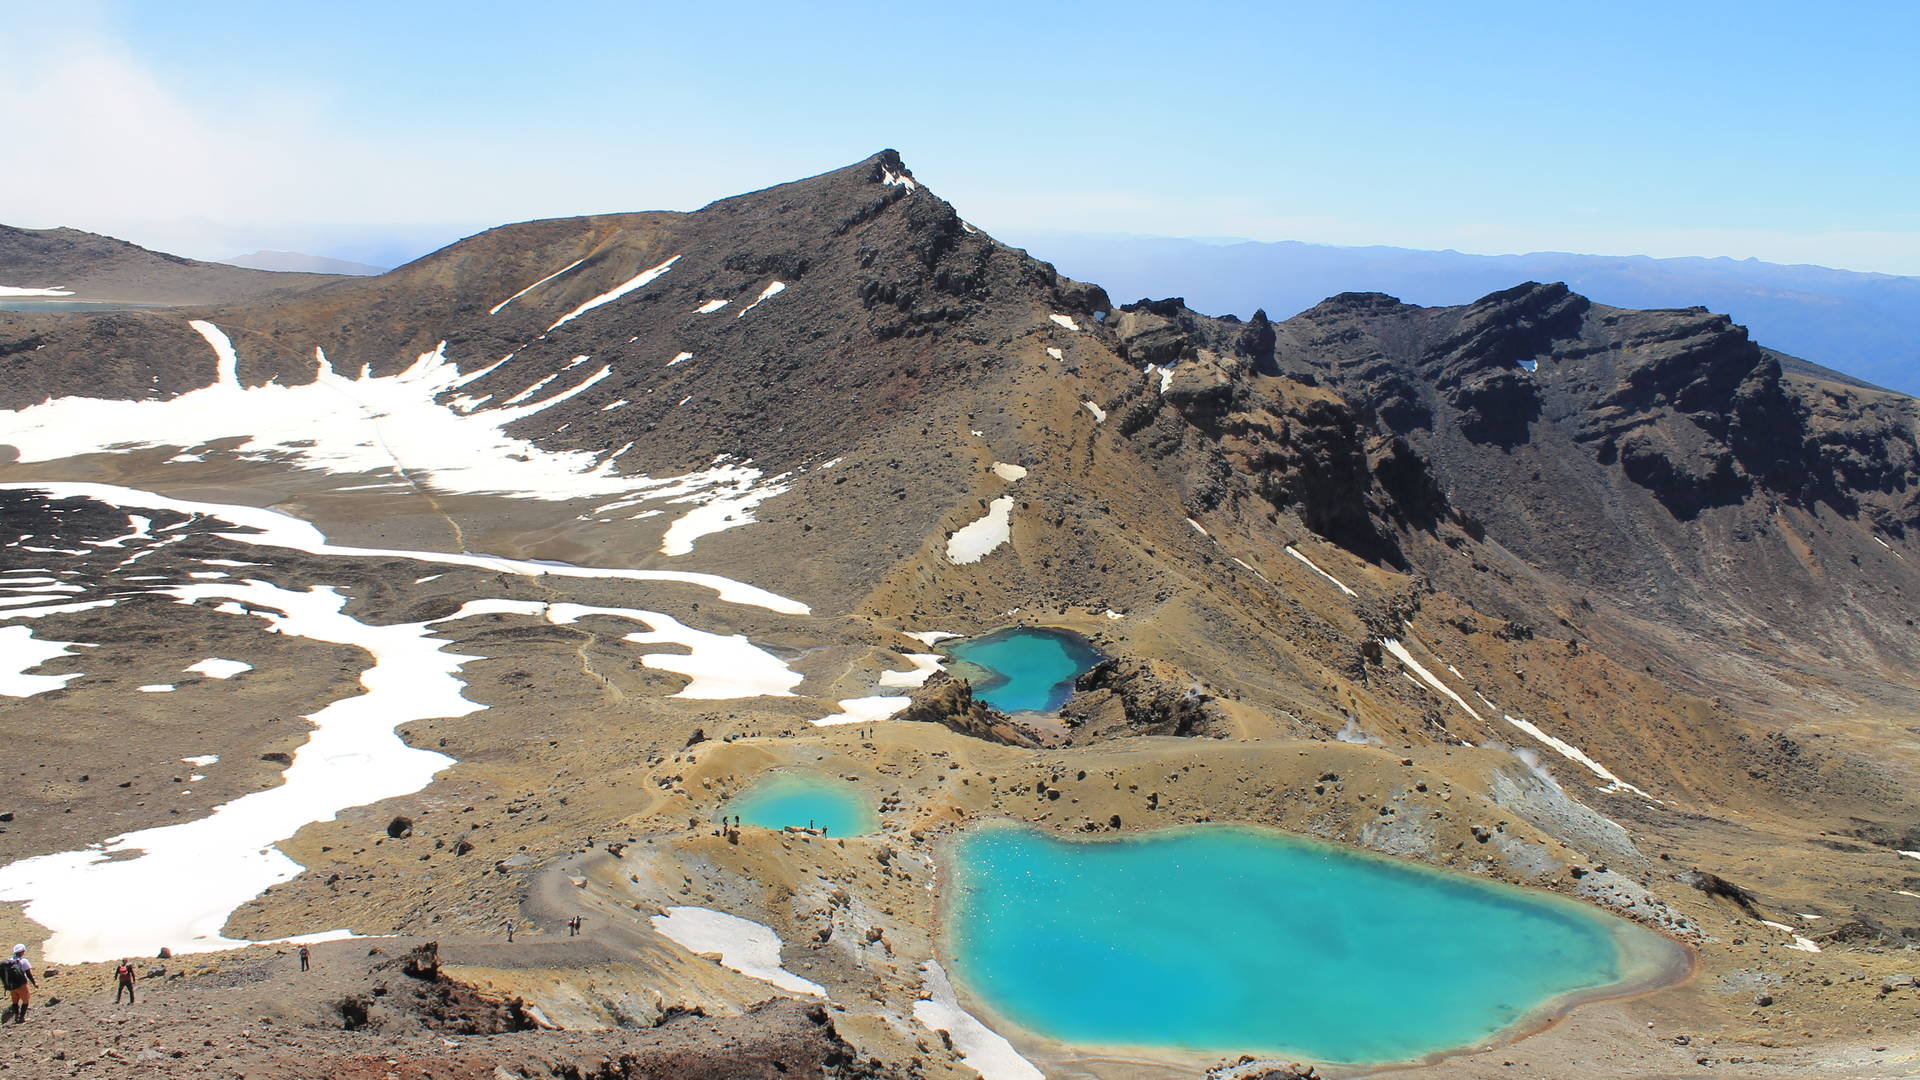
(1225, 939)
(1022, 669)
(804, 800)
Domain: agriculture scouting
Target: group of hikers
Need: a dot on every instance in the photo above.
(16, 975)
(573, 927)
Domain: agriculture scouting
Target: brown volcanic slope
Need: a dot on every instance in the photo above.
(102, 268)
(1653, 546)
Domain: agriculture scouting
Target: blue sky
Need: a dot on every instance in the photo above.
(1781, 131)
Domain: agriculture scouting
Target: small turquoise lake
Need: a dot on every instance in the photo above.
(1224, 939)
(803, 800)
(1023, 669)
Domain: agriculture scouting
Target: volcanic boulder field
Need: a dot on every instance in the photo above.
(409, 618)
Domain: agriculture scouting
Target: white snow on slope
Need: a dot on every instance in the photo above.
(930, 637)
(1009, 473)
(639, 280)
(972, 542)
(741, 944)
(284, 531)
(1804, 944)
(680, 358)
(21, 652)
(125, 897)
(213, 667)
(767, 293)
(495, 309)
(612, 405)
(157, 688)
(1064, 321)
(718, 666)
(18, 290)
(984, 1050)
(1341, 585)
(142, 530)
(226, 371)
(1057, 354)
(894, 179)
(710, 306)
(369, 424)
(1575, 754)
(924, 665)
(864, 710)
(1401, 654)
(1099, 414)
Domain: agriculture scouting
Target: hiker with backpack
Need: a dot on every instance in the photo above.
(123, 978)
(16, 974)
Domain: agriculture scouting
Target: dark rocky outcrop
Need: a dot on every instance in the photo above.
(946, 700)
(1121, 697)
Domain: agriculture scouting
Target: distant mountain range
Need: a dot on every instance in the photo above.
(301, 263)
(1861, 324)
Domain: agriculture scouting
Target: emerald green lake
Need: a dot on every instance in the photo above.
(804, 799)
(1023, 669)
(1227, 939)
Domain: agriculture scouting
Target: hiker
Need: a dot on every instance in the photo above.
(306, 958)
(573, 926)
(509, 931)
(123, 979)
(16, 973)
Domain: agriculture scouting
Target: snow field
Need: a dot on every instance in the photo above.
(741, 945)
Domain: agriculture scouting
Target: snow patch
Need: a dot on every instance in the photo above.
(1341, 585)
(766, 294)
(21, 652)
(637, 281)
(1574, 753)
(864, 710)
(984, 1050)
(1064, 322)
(495, 309)
(1099, 414)
(124, 897)
(974, 541)
(157, 688)
(1400, 653)
(680, 358)
(214, 667)
(894, 179)
(924, 665)
(930, 637)
(1009, 473)
(741, 944)
(1056, 354)
(142, 530)
(18, 290)
(708, 307)
(717, 666)
(276, 529)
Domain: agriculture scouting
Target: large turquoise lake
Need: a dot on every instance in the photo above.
(1023, 669)
(804, 800)
(1224, 939)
